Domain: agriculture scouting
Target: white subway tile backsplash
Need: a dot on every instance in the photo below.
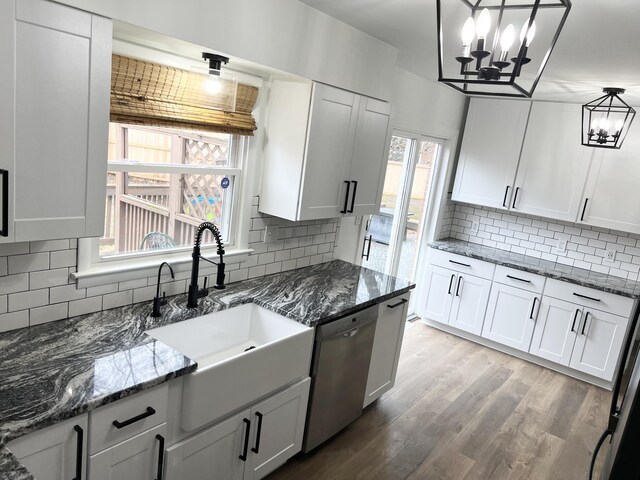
(11, 321)
(118, 299)
(63, 258)
(49, 245)
(8, 249)
(86, 305)
(3, 304)
(48, 313)
(14, 283)
(49, 278)
(30, 299)
(67, 293)
(28, 263)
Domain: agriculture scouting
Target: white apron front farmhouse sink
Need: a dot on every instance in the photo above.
(243, 353)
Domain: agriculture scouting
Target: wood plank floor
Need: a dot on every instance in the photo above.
(461, 411)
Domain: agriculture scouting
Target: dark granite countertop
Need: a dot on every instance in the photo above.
(58, 370)
(565, 273)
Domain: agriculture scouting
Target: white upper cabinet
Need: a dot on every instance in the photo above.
(554, 165)
(325, 152)
(493, 136)
(54, 114)
(612, 197)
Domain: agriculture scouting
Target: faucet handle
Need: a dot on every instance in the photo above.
(164, 298)
(204, 291)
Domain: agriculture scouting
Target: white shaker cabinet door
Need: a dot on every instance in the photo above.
(471, 295)
(330, 138)
(598, 344)
(491, 144)
(553, 165)
(555, 332)
(511, 316)
(439, 285)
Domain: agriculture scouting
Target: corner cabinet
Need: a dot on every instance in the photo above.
(488, 160)
(387, 342)
(54, 114)
(326, 151)
(249, 445)
(55, 453)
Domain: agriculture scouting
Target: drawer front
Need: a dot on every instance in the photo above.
(519, 279)
(462, 264)
(589, 297)
(134, 415)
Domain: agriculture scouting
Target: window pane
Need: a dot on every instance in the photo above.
(212, 151)
(163, 210)
(148, 147)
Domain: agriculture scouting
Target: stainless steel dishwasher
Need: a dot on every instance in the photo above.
(339, 370)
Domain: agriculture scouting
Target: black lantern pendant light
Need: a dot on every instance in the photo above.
(476, 50)
(606, 120)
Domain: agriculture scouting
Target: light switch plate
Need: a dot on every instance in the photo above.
(474, 226)
(561, 246)
(270, 233)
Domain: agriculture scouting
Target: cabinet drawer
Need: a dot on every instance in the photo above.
(462, 264)
(102, 431)
(519, 279)
(589, 297)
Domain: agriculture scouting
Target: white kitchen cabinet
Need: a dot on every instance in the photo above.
(555, 331)
(470, 298)
(553, 165)
(488, 160)
(54, 113)
(511, 316)
(249, 445)
(392, 317)
(438, 288)
(612, 197)
(57, 452)
(214, 453)
(140, 457)
(598, 343)
(326, 151)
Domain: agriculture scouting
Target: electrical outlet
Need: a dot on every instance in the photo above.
(611, 256)
(474, 226)
(561, 246)
(270, 233)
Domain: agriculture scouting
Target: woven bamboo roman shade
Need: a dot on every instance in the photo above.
(144, 93)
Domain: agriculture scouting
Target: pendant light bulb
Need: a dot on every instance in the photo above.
(213, 85)
(619, 125)
(594, 124)
(604, 124)
(468, 31)
(530, 35)
(483, 24)
(506, 40)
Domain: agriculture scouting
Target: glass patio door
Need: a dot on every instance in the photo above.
(394, 234)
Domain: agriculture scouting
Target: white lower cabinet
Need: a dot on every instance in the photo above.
(511, 316)
(438, 299)
(582, 338)
(55, 453)
(138, 458)
(392, 317)
(249, 445)
(469, 303)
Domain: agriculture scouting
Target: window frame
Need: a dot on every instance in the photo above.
(91, 263)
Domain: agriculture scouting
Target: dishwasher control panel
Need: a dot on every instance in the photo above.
(348, 323)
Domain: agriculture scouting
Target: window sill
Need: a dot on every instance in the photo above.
(148, 267)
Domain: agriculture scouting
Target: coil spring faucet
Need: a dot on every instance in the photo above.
(194, 292)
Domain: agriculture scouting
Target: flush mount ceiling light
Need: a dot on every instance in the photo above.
(486, 47)
(606, 120)
(213, 85)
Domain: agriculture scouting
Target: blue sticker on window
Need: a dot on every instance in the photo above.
(224, 183)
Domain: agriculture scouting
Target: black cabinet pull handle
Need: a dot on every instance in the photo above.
(79, 447)
(353, 198)
(515, 197)
(150, 411)
(256, 448)
(245, 449)
(519, 279)
(401, 302)
(367, 239)
(533, 307)
(160, 439)
(586, 318)
(584, 296)
(458, 287)
(584, 209)
(346, 197)
(504, 200)
(4, 231)
(460, 263)
(453, 276)
(575, 316)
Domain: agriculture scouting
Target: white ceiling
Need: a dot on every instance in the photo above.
(599, 45)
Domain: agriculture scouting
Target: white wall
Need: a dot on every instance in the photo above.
(282, 34)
